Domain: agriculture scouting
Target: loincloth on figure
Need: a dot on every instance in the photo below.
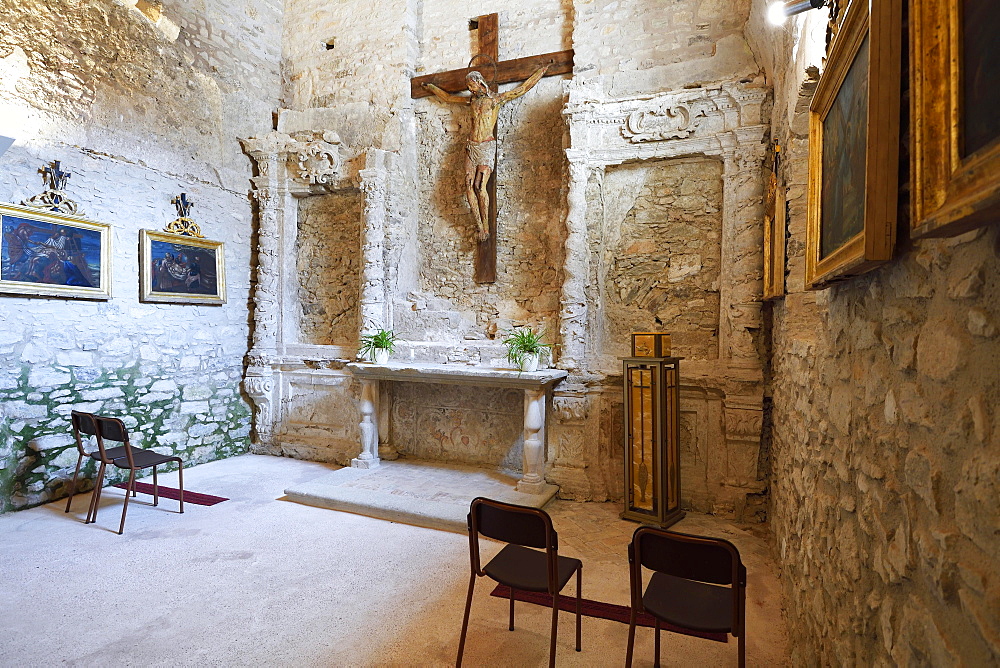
(482, 153)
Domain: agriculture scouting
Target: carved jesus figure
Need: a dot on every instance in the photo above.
(480, 153)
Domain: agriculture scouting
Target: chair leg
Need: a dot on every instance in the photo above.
(180, 484)
(131, 485)
(465, 620)
(95, 496)
(742, 650)
(631, 638)
(656, 662)
(555, 630)
(579, 605)
(156, 489)
(511, 608)
(72, 486)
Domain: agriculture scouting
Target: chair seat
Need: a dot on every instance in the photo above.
(144, 459)
(689, 604)
(112, 453)
(525, 569)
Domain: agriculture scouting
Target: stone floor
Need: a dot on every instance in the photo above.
(257, 581)
(428, 494)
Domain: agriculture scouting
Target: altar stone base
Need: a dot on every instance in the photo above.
(436, 495)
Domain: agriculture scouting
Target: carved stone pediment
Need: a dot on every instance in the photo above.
(670, 123)
(316, 161)
(629, 128)
(311, 159)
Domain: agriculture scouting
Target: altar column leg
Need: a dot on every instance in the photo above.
(533, 481)
(368, 459)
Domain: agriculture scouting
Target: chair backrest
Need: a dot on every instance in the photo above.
(511, 523)
(712, 560)
(83, 423)
(112, 429)
(700, 558)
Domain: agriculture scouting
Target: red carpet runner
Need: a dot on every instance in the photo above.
(616, 613)
(171, 493)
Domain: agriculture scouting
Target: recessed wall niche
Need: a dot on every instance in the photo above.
(327, 261)
(659, 259)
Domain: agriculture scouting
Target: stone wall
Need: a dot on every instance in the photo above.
(700, 204)
(641, 46)
(140, 101)
(886, 455)
(660, 253)
(530, 179)
(329, 229)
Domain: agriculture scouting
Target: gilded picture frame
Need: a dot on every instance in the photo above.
(775, 210)
(178, 269)
(954, 97)
(49, 254)
(854, 147)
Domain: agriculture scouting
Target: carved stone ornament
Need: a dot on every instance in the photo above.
(54, 198)
(671, 123)
(317, 162)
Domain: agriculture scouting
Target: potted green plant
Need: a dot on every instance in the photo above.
(378, 346)
(524, 347)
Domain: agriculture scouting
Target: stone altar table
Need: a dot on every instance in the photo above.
(537, 386)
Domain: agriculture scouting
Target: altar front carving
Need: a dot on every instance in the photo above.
(536, 385)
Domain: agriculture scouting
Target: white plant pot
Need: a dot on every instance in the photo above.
(381, 356)
(529, 363)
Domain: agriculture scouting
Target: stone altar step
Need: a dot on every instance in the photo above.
(428, 494)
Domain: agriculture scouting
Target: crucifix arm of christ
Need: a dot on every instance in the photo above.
(480, 148)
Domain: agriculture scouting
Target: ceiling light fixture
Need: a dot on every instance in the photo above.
(777, 12)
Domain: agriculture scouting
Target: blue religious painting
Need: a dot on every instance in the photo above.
(49, 254)
(182, 269)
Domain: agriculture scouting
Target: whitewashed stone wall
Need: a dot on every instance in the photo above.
(139, 104)
(886, 452)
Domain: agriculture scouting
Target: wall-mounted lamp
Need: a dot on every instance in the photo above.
(777, 12)
(5, 143)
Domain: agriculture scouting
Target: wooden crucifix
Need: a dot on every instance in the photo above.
(446, 84)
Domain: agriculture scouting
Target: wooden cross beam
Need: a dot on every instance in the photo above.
(507, 71)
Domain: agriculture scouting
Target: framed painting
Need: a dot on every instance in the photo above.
(854, 147)
(954, 98)
(178, 269)
(49, 254)
(775, 209)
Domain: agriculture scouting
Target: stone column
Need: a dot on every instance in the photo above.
(374, 184)
(533, 480)
(368, 459)
(573, 301)
(742, 268)
(268, 153)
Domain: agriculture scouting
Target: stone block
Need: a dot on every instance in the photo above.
(979, 323)
(939, 350)
(196, 392)
(163, 385)
(23, 411)
(102, 394)
(194, 407)
(45, 377)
